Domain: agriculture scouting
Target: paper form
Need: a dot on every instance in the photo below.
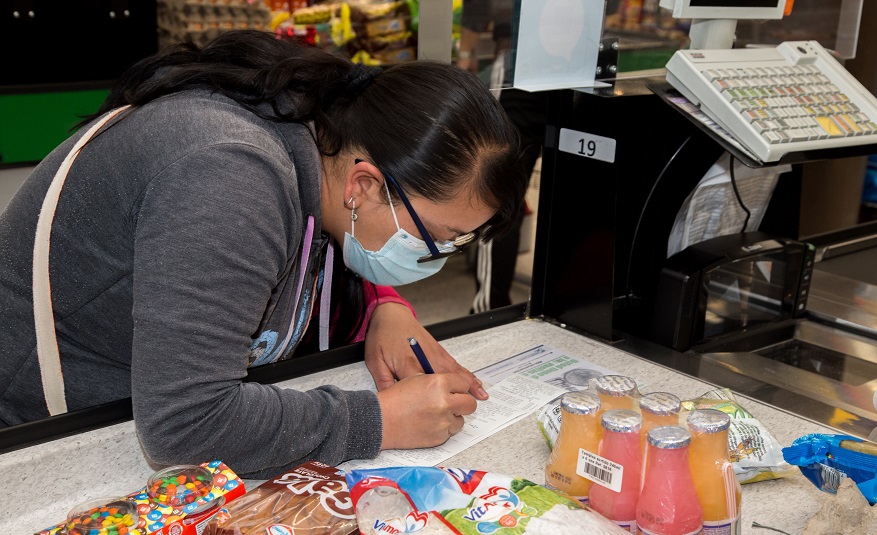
(518, 386)
(510, 399)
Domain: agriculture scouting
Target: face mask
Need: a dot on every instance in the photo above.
(395, 263)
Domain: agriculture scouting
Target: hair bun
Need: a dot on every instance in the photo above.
(360, 77)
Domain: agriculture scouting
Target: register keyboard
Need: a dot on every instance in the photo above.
(778, 100)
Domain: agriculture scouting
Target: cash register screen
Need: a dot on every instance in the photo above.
(743, 293)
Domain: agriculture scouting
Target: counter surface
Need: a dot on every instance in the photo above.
(43, 482)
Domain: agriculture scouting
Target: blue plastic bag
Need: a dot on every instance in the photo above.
(826, 463)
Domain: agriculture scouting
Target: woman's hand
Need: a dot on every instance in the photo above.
(389, 357)
(423, 410)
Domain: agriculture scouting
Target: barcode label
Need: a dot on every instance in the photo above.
(831, 478)
(599, 470)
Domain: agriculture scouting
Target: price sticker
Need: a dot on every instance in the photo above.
(587, 145)
(599, 470)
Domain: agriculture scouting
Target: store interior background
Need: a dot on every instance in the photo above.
(37, 111)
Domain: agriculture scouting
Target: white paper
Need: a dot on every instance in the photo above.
(518, 386)
(510, 399)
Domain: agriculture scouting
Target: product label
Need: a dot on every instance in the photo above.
(721, 527)
(599, 470)
(643, 531)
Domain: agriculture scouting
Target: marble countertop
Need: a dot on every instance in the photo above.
(43, 482)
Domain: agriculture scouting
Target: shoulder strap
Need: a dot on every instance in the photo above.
(44, 319)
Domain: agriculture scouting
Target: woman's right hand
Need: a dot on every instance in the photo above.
(424, 410)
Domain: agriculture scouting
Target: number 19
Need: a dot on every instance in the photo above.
(591, 146)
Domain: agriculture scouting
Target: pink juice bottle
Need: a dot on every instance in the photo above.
(668, 503)
(617, 470)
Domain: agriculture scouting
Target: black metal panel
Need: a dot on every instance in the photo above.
(602, 226)
(66, 44)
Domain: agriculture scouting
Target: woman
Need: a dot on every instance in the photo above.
(246, 201)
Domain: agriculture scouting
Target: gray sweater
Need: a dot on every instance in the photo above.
(178, 258)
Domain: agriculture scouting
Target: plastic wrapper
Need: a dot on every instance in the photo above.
(437, 500)
(826, 460)
(310, 499)
(187, 516)
(755, 454)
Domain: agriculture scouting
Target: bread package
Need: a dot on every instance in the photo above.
(310, 499)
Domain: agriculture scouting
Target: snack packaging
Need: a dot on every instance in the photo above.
(166, 517)
(826, 460)
(438, 500)
(310, 499)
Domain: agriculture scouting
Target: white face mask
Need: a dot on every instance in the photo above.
(395, 263)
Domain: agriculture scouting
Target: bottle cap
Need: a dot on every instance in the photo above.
(615, 385)
(622, 421)
(580, 402)
(669, 437)
(660, 403)
(708, 421)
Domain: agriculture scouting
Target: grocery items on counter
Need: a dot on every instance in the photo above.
(828, 460)
(437, 500)
(581, 430)
(617, 469)
(717, 487)
(668, 503)
(179, 500)
(310, 499)
(755, 453)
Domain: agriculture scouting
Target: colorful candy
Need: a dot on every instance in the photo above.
(117, 517)
(179, 486)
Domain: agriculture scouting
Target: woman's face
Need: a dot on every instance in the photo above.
(443, 221)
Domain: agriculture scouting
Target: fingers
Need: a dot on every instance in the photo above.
(424, 410)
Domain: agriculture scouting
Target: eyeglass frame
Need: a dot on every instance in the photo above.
(459, 243)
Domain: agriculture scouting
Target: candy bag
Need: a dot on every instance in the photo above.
(437, 500)
(826, 460)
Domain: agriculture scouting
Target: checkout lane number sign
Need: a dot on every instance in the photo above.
(587, 145)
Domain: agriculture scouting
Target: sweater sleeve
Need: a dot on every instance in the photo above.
(377, 295)
(213, 233)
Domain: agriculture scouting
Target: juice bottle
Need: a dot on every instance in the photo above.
(618, 469)
(658, 409)
(668, 503)
(578, 431)
(615, 391)
(717, 486)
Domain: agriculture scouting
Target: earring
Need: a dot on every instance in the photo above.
(352, 208)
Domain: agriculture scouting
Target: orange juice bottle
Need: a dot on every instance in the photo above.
(668, 503)
(618, 469)
(658, 409)
(717, 486)
(578, 431)
(615, 391)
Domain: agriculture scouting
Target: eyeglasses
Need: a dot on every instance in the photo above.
(436, 249)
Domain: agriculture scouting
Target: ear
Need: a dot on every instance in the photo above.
(362, 180)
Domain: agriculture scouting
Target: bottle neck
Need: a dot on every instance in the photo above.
(710, 445)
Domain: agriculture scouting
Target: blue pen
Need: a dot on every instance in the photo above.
(421, 357)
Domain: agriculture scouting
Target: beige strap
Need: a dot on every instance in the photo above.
(44, 319)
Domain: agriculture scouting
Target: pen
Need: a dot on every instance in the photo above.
(421, 357)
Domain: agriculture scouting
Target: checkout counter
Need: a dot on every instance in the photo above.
(42, 482)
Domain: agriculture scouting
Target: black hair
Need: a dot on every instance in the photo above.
(434, 127)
